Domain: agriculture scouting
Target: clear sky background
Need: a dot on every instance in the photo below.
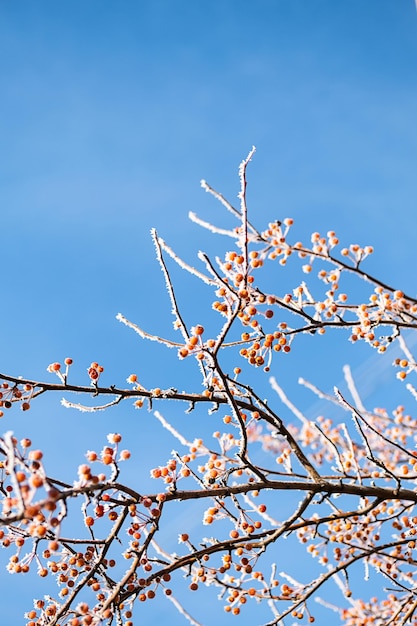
(111, 113)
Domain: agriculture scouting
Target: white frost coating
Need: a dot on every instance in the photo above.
(352, 388)
(213, 229)
(171, 429)
(287, 402)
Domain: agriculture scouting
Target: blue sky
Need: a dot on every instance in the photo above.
(110, 115)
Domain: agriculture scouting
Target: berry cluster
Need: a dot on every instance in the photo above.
(337, 493)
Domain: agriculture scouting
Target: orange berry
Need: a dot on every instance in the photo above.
(36, 480)
(41, 531)
(20, 476)
(114, 438)
(35, 455)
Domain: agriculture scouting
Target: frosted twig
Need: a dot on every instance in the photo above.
(244, 210)
(412, 390)
(287, 402)
(11, 468)
(357, 414)
(231, 314)
(145, 335)
(271, 603)
(327, 605)
(321, 394)
(332, 447)
(340, 583)
(307, 292)
(182, 611)
(229, 207)
(185, 266)
(175, 310)
(89, 409)
(220, 198)
(213, 229)
(291, 580)
(405, 348)
(171, 429)
(218, 279)
(352, 452)
(352, 388)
